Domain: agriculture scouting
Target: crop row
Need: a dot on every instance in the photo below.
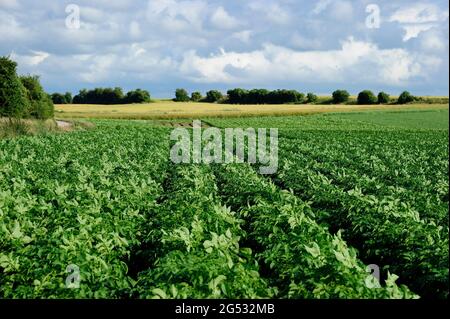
(382, 166)
(194, 243)
(386, 229)
(72, 208)
(303, 258)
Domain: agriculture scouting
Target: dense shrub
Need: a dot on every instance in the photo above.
(58, 98)
(181, 95)
(312, 98)
(262, 96)
(367, 97)
(40, 104)
(111, 96)
(137, 96)
(340, 96)
(383, 98)
(237, 96)
(213, 96)
(13, 95)
(81, 98)
(405, 97)
(196, 96)
(68, 97)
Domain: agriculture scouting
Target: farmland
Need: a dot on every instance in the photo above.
(164, 109)
(108, 205)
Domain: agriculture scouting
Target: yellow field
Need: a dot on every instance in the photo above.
(173, 110)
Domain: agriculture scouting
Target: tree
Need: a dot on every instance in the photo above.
(137, 96)
(405, 98)
(13, 95)
(181, 95)
(196, 96)
(256, 96)
(58, 98)
(311, 98)
(68, 98)
(41, 105)
(237, 96)
(81, 97)
(367, 97)
(213, 96)
(383, 98)
(340, 96)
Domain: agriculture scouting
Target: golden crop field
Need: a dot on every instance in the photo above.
(163, 109)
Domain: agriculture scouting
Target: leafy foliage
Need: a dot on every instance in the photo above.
(109, 96)
(196, 96)
(13, 95)
(383, 98)
(405, 98)
(41, 105)
(214, 96)
(367, 98)
(340, 96)
(311, 98)
(181, 95)
(262, 96)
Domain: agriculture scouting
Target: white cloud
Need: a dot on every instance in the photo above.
(341, 10)
(434, 41)
(272, 12)
(36, 58)
(177, 15)
(243, 36)
(221, 19)
(275, 64)
(417, 18)
(321, 6)
(419, 13)
(414, 30)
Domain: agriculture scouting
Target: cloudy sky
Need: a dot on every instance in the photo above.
(159, 45)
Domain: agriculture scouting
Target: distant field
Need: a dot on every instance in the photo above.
(172, 110)
(372, 121)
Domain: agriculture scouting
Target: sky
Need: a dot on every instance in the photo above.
(160, 45)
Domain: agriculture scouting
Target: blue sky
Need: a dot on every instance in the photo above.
(160, 45)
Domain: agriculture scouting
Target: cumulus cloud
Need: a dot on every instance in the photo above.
(243, 36)
(221, 19)
(389, 66)
(417, 18)
(163, 44)
(33, 59)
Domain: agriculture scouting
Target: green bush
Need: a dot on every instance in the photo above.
(196, 96)
(405, 98)
(58, 98)
(367, 97)
(383, 98)
(311, 98)
(40, 104)
(137, 96)
(13, 95)
(213, 96)
(181, 95)
(68, 97)
(340, 96)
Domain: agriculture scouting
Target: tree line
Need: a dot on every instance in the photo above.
(22, 96)
(107, 96)
(263, 96)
